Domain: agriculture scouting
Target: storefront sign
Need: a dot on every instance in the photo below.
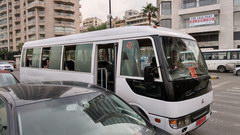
(202, 20)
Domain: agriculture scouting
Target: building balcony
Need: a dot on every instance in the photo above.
(210, 28)
(65, 24)
(17, 27)
(63, 7)
(36, 4)
(31, 32)
(64, 16)
(3, 2)
(199, 9)
(32, 38)
(16, 3)
(31, 14)
(17, 19)
(64, 32)
(31, 23)
(65, 1)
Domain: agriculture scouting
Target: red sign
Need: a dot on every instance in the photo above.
(200, 121)
(129, 45)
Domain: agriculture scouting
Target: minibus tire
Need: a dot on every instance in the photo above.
(238, 73)
(221, 69)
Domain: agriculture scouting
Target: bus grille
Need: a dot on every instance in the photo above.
(200, 113)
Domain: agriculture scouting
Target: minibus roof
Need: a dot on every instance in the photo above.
(109, 34)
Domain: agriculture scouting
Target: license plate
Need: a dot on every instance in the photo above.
(200, 121)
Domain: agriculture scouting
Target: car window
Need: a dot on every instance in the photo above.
(3, 118)
(7, 79)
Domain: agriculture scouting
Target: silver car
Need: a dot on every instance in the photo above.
(6, 66)
(236, 71)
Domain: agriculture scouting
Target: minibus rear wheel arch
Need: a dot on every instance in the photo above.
(140, 111)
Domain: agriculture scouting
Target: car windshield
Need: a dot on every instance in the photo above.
(184, 59)
(7, 79)
(88, 114)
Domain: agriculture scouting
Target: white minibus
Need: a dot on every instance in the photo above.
(140, 64)
(222, 60)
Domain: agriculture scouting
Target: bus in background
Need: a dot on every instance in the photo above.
(223, 60)
(140, 64)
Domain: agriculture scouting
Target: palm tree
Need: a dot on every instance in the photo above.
(149, 11)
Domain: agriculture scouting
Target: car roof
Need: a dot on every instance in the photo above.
(23, 94)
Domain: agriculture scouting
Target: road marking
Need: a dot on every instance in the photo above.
(231, 93)
(227, 106)
(227, 113)
(231, 90)
(224, 123)
(226, 96)
(218, 85)
(231, 102)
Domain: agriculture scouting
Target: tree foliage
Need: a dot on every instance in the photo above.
(19, 46)
(100, 27)
(149, 11)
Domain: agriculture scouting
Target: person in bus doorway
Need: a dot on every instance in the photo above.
(155, 68)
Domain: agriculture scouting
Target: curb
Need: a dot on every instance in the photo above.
(213, 77)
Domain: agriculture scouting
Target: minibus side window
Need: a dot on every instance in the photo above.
(51, 57)
(136, 55)
(45, 57)
(83, 58)
(28, 60)
(69, 58)
(36, 57)
(55, 57)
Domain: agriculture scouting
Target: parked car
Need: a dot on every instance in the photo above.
(6, 78)
(69, 108)
(6, 66)
(236, 71)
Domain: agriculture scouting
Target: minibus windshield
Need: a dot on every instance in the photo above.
(184, 59)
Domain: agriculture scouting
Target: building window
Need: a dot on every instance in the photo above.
(166, 8)
(206, 38)
(207, 2)
(236, 19)
(236, 2)
(237, 35)
(166, 23)
(189, 3)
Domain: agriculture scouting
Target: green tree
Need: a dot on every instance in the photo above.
(19, 46)
(100, 27)
(149, 11)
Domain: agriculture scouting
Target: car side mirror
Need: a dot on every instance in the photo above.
(148, 74)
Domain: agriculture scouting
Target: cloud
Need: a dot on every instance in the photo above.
(100, 8)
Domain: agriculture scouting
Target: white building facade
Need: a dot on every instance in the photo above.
(214, 23)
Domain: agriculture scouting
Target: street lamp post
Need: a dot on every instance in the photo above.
(110, 14)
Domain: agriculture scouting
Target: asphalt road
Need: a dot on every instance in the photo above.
(225, 119)
(226, 107)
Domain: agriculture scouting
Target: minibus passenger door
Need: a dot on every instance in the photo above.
(135, 56)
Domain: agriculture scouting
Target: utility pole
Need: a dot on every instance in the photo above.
(110, 14)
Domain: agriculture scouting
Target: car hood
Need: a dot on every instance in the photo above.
(5, 65)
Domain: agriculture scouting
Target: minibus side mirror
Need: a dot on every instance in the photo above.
(148, 74)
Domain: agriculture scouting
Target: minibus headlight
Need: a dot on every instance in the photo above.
(179, 123)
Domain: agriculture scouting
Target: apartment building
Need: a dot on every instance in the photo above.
(214, 23)
(117, 22)
(93, 21)
(26, 20)
(137, 19)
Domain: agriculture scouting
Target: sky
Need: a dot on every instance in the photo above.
(99, 8)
